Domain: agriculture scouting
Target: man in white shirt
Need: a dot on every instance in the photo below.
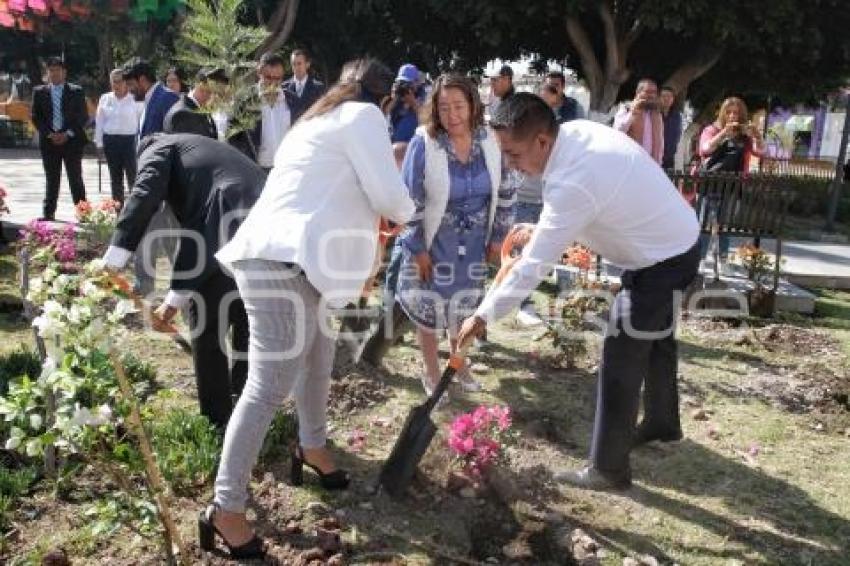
(603, 190)
(116, 129)
(261, 140)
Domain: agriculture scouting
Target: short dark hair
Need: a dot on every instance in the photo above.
(178, 72)
(523, 116)
(646, 80)
(56, 62)
(217, 75)
(303, 52)
(557, 75)
(138, 67)
(546, 87)
(273, 59)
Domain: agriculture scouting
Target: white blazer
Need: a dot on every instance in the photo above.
(334, 176)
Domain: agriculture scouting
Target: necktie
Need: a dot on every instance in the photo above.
(56, 95)
(300, 88)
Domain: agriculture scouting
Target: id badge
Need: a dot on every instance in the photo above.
(461, 251)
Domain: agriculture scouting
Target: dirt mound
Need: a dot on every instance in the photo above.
(357, 390)
(795, 340)
(813, 389)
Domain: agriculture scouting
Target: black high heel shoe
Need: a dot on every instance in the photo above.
(207, 531)
(337, 479)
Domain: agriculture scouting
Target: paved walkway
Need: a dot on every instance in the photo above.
(22, 176)
(805, 263)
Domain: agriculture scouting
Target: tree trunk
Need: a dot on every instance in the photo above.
(692, 69)
(604, 83)
(106, 62)
(280, 25)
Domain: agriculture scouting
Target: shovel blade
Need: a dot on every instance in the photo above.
(412, 443)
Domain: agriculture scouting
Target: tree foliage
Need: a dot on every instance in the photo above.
(213, 36)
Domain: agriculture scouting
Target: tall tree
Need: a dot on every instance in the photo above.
(738, 46)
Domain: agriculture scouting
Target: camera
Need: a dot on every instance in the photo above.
(401, 88)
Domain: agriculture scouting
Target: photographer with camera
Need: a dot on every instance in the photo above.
(731, 140)
(641, 119)
(727, 145)
(402, 112)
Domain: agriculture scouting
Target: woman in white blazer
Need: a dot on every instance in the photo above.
(464, 208)
(308, 244)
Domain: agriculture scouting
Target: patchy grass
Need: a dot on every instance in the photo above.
(761, 477)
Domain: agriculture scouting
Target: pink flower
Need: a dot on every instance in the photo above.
(476, 437)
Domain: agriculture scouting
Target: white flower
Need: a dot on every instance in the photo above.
(89, 289)
(74, 314)
(53, 308)
(84, 417)
(95, 266)
(36, 285)
(15, 437)
(48, 328)
(48, 367)
(33, 447)
(35, 422)
(104, 413)
(78, 313)
(61, 283)
(123, 308)
(81, 417)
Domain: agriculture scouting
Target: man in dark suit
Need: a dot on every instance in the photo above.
(59, 114)
(210, 187)
(189, 115)
(143, 85)
(141, 81)
(263, 118)
(305, 90)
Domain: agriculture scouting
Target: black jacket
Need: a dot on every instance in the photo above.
(210, 187)
(312, 91)
(185, 118)
(248, 122)
(74, 113)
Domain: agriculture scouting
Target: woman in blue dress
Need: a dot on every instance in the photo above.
(464, 208)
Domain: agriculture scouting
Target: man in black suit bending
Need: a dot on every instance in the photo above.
(210, 187)
(189, 115)
(59, 114)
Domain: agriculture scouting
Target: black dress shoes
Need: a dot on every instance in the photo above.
(644, 435)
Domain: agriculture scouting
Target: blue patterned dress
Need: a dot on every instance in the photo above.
(458, 250)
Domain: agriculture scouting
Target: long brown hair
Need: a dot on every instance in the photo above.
(732, 101)
(470, 92)
(360, 79)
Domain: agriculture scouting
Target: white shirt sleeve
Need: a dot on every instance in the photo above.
(567, 210)
(368, 147)
(116, 257)
(177, 299)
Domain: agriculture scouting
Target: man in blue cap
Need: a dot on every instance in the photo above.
(409, 73)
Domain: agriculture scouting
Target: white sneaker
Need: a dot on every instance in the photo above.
(528, 317)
